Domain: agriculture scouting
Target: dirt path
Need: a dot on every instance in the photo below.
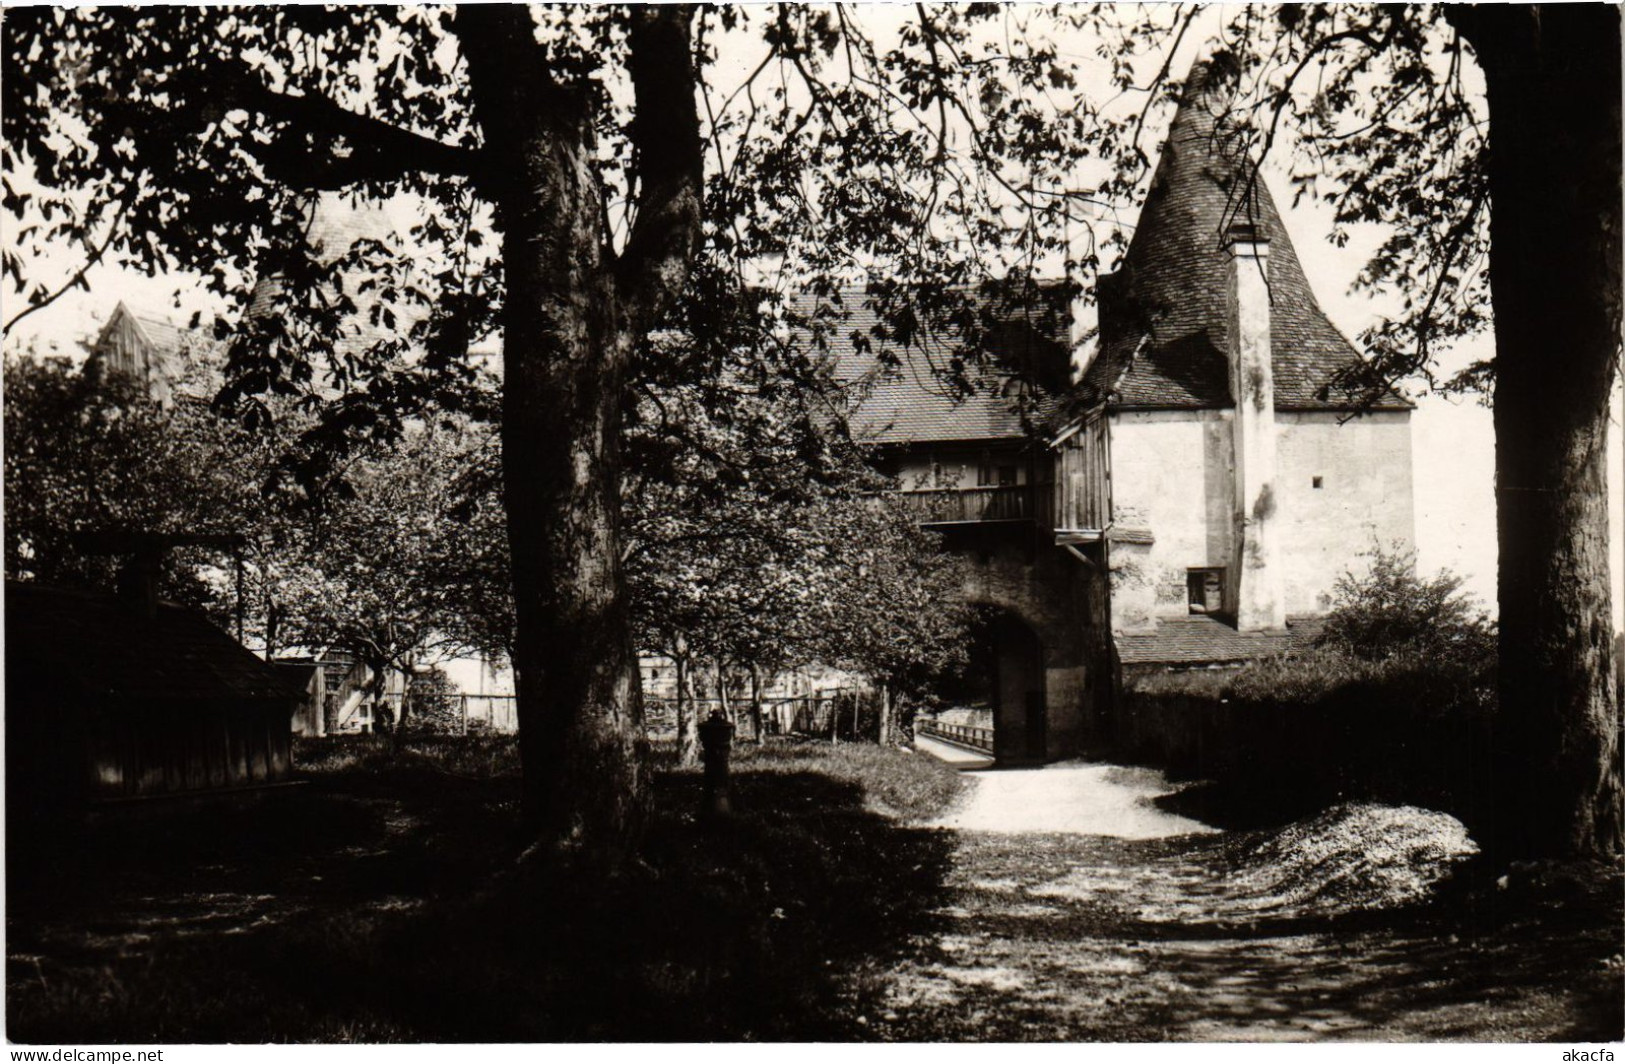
(1081, 799)
(1077, 911)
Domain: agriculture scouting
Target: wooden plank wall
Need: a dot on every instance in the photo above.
(163, 750)
(1083, 478)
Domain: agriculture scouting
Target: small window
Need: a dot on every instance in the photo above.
(1007, 476)
(1205, 590)
(1319, 483)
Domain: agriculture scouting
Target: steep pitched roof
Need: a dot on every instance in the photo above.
(163, 356)
(1172, 286)
(61, 641)
(911, 401)
(165, 341)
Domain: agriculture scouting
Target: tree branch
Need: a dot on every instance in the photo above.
(666, 138)
(78, 278)
(325, 146)
(371, 149)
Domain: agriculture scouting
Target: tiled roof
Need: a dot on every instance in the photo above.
(911, 401)
(1173, 285)
(61, 641)
(335, 227)
(167, 338)
(1198, 639)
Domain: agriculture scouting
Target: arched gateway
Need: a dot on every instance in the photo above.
(1040, 655)
(1005, 674)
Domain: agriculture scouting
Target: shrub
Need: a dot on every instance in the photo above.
(1394, 704)
(1389, 609)
(433, 707)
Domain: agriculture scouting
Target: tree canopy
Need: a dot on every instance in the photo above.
(631, 162)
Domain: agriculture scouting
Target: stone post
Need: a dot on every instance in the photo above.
(716, 742)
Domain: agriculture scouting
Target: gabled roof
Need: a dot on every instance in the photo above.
(913, 400)
(164, 338)
(1197, 640)
(1173, 283)
(98, 646)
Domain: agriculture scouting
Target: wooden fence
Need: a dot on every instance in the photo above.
(833, 713)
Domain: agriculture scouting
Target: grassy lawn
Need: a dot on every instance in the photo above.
(383, 901)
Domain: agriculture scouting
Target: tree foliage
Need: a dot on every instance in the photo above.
(90, 454)
(1389, 608)
(629, 172)
(382, 569)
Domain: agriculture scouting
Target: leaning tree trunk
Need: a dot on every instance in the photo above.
(688, 723)
(376, 694)
(1553, 77)
(756, 721)
(572, 311)
(724, 704)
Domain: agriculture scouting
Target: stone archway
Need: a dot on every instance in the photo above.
(1018, 682)
(1005, 677)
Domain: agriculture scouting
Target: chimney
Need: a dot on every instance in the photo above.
(1256, 575)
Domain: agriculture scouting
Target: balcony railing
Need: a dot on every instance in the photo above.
(1008, 502)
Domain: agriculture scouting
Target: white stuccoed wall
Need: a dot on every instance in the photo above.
(1365, 499)
(1171, 475)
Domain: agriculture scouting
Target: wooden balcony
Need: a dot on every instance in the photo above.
(950, 506)
(1070, 493)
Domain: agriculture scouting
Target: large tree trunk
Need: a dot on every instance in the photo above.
(572, 311)
(1553, 76)
(580, 707)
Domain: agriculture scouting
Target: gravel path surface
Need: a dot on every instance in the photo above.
(1075, 910)
(1074, 798)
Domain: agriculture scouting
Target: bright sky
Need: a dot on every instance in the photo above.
(1453, 440)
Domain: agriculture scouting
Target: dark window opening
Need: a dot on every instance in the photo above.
(1205, 590)
(1007, 475)
(1319, 482)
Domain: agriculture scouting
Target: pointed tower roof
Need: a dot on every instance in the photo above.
(1163, 313)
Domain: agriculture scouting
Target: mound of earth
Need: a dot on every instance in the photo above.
(1352, 857)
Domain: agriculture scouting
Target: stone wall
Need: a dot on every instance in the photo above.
(1062, 600)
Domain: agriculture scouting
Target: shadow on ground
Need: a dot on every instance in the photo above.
(1063, 937)
(384, 903)
(390, 908)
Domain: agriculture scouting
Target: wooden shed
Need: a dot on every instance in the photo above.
(111, 697)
